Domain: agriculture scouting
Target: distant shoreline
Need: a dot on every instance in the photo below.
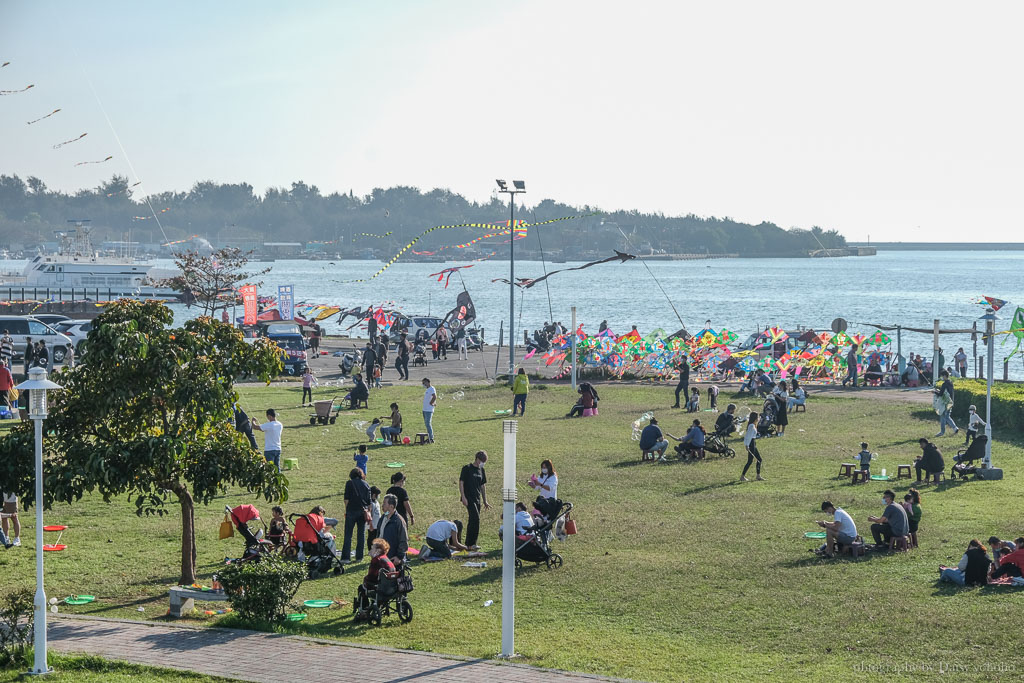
(942, 246)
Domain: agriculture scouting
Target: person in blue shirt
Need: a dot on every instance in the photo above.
(864, 457)
(362, 458)
(692, 443)
(652, 440)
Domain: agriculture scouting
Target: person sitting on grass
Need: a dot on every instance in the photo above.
(443, 538)
(892, 523)
(726, 422)
(841, 530)
(378, 561)
(864, 457)
(1011, 564)
(1000, 548)
(972, 569)
(652, 440)
(930, 461)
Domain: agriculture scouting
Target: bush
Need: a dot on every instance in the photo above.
(1007, 404)
(16, 618)
(261, 591)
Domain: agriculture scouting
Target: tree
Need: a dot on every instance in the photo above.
(212, 281)
(148, 414)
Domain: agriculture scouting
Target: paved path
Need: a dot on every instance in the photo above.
(271, 658)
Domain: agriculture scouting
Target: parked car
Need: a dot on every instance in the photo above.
(76, 331)
(21, 327)
(419, 327)
(51, 319)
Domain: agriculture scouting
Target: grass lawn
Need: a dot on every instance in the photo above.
(75, 668)
(679, 571)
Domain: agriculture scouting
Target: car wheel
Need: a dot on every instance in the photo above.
(80, 348)
(59, 353)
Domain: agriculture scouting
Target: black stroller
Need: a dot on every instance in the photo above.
(255, 545)
(715, 442)
(766, 421)
(964, 459)
(311, 545)
(535, 546)
(419, 355)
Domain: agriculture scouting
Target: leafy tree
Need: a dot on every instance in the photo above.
(148, 414)
(212, 280)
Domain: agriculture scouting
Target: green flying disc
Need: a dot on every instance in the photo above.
(502, 412)
(396, 464)
(815, 534)
(318, 603)
(879, 477)
(298, 616)
(80, 599)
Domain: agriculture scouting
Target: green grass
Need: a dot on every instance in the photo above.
(679, 571)
(76, 668)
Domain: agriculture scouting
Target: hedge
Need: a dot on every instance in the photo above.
(1007, 404)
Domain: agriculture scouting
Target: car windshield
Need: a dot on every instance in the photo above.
(291, 344)
(429, 323)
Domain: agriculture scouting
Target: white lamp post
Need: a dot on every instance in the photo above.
(37, 386)
(990, 330)
(508, 542)
(518, 187)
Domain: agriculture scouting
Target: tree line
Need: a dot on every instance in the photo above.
(233, 213)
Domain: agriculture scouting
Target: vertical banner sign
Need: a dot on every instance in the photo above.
(248, 293)
(285, 302)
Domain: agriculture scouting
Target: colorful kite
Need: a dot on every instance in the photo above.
(370, 234)
(14, 92)
(43, 117)
(83, 163)
(68, 142)
(146, 218)
(526, 282)
(996, 304)
(449, 272)
(1017, 330)
(128, 189)
(460, 317)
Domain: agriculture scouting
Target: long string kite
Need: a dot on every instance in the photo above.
(127, 189)
(15, 92)
(526, 282)
(146, 218)
(43, 117)
(449, 272)
(426, 232)
(83, 163)
(68, 142)
(370, 234)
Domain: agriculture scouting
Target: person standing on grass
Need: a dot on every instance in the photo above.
(750, 442)
(357, 509)
(781, 396)
(10, 519)
(429, 401)
(307, 385)
(945, 392)
(520, 389)
(271, 437)
(473, 492)
(402, 503)
(892, 523)
(683, 386)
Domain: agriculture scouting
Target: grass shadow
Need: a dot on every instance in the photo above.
(813, 560)
(710, 487)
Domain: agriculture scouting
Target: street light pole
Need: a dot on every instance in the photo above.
(990, 330)
(508, 542)
(518, 187)
(37, 386)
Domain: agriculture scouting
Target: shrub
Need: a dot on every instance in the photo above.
(16, 618)
(1007, 404)
(261, 591)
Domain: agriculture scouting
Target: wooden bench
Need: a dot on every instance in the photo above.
(183, 599)
(648, 455)
(421, 438)
(899, 543)
(901, 469)
(363, 403)
(862, 475)
(846, 469)
(800, 408)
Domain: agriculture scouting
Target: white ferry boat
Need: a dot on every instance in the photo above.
(78, 270)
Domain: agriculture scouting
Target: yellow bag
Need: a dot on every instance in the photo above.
(12, 396)
(227, 529)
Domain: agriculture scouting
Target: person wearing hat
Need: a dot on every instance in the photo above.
(973, 422)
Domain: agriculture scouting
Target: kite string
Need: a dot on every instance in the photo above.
(544, 266)
(644, 262)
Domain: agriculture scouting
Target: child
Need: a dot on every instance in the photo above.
(278, 526)
(973, 422)
(361, 458)
(371, 526)
(376, 377)
(693, 405)
(371, 430)
(864, 457)
(713, 397)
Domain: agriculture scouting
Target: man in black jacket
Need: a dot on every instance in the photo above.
(392, 529)
(244, 425)
(684, 380)
(726, 422)
(369, 360)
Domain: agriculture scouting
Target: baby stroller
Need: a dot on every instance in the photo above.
(326, 412)
(964, 459)
(310, 545)
(389, 596)
(419, 354)
(255, 545)
(766, 421)
(535, 545)
(715, 443)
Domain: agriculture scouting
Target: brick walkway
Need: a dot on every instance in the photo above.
(270, 658)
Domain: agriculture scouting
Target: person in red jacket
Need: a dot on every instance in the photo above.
(1011, 564)
(6, 384)
(378, 561)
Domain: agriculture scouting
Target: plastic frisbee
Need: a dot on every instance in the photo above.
(502, 412)
(815, 534)
(298, 616)
(879, 477)
(56, 548)
(318, 603)
(55, 527)
(80, 599)
(396, 464)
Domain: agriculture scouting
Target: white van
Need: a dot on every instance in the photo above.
(21, 327)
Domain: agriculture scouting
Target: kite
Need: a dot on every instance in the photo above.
(426, 232)
(14, 92)
(68, 142)
(83, 163)
(996, 304)
(4, 64)
(1017, 330)
(460, 317)
(146, 218)
(187, 239)
(128, 189)
(43, 117)
(449, 272)
(370, 234)
(526, 282)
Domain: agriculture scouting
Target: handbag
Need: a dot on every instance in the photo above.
(570, 525)
(227, 529)
(367, 516)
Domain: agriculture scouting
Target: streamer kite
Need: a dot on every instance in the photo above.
(1017, 330)
(146, 218)
(127, 189)
(43, 117)
(449, 272)
(526, 282)
(68, 142)
(426, 232)
(101, 161)
(370, 234)
(15, 92)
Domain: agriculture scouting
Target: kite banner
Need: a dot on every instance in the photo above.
(249, 300)
(462, 316)
(286, 302)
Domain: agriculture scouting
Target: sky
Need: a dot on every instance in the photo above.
(885, 121)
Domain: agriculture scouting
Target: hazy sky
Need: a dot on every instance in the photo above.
(898, 120)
